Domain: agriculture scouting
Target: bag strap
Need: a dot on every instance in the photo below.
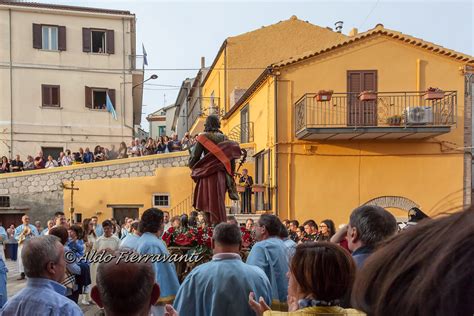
(216, 151)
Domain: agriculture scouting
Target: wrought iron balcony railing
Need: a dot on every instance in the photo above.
(242, 133)
(388, 110)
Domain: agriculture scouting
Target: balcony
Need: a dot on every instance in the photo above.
(242, 133)
(201, 107)
(392, 115)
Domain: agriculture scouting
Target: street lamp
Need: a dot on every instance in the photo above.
(152, 77)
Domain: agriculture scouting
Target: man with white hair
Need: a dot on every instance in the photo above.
(22, 233)
(45, 267)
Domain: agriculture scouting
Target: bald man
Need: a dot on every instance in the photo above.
(133, 295)
(22, 233)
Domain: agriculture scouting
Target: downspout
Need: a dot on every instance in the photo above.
(418, 74)
(275, 141)
(123, 76)
(225, 79)
(11, 84)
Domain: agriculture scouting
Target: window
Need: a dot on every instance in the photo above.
(98, 42)
(50, 38)
(99, 99)
(161, 130)
(4, 201)
(263, 200)
(53, 151)
(161, 200)
(50, 95)
(96, 98)
(244, 125)
(77, 217)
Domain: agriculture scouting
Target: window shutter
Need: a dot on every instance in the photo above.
(111, 93)
(55, 100)
(86, 40)
(37, 36)
(62, 38)
(46, 95)
(110, 42)
(88, 97)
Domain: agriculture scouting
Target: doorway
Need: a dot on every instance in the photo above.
(119, 213)
(361, 113)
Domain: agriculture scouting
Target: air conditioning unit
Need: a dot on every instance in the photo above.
(419, 115)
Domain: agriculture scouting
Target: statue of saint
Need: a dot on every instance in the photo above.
(213, 172)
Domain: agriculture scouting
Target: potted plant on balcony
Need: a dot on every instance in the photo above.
(434, 94)
(324, 95)
(368, 95)
(394, 120)
(258, 188)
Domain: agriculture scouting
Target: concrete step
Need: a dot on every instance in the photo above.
(242, 218)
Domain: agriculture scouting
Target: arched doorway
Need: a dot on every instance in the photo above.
(398, 205)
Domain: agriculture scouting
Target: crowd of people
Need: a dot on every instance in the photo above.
(369, 266)
(137, 148)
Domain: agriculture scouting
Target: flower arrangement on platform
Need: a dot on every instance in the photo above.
(434, 94)
(198, 239)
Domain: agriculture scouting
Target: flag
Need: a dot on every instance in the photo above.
(145, 60)
(110, 107)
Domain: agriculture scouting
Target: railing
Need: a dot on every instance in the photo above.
(202, 107)
(242, 133)
(185, 206)
(389, 109)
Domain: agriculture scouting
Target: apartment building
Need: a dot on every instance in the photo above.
(67, 78)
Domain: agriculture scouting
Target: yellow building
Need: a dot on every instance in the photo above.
(321, 158)
(242, 58)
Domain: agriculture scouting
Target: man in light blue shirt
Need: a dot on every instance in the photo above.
(271, 255)
(131, 240)
(45, 266)
(222, 286)
(150, 242)
(99, 231)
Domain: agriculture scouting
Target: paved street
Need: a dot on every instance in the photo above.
(14, 286)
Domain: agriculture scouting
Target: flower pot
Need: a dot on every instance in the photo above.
(434, 95)
(367, 96)
(258, 188)
(324, 95)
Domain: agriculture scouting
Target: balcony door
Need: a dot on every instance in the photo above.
(361, 113)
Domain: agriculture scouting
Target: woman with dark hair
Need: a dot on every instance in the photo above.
(98, 154)
(320, 275)
(89, 237)
(420, 271)
(160, 146)
(326, 230)
(76, 244)
(122, 152)
(5, 166)
(300, 233)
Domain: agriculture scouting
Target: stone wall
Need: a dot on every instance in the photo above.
(41, 190)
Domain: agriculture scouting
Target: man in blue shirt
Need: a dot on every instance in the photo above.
(131, 240)
(45, 266)
(150, 242)
(223, 285)
(88, 156)
(271, 255)
(368, 226)
(99, 231)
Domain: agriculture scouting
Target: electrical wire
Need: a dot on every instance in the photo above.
(370, 12)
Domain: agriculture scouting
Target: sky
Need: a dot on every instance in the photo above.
(177, 33)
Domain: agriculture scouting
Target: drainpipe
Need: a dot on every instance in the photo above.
(123, 76)
(11, 84)
(275, 82)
